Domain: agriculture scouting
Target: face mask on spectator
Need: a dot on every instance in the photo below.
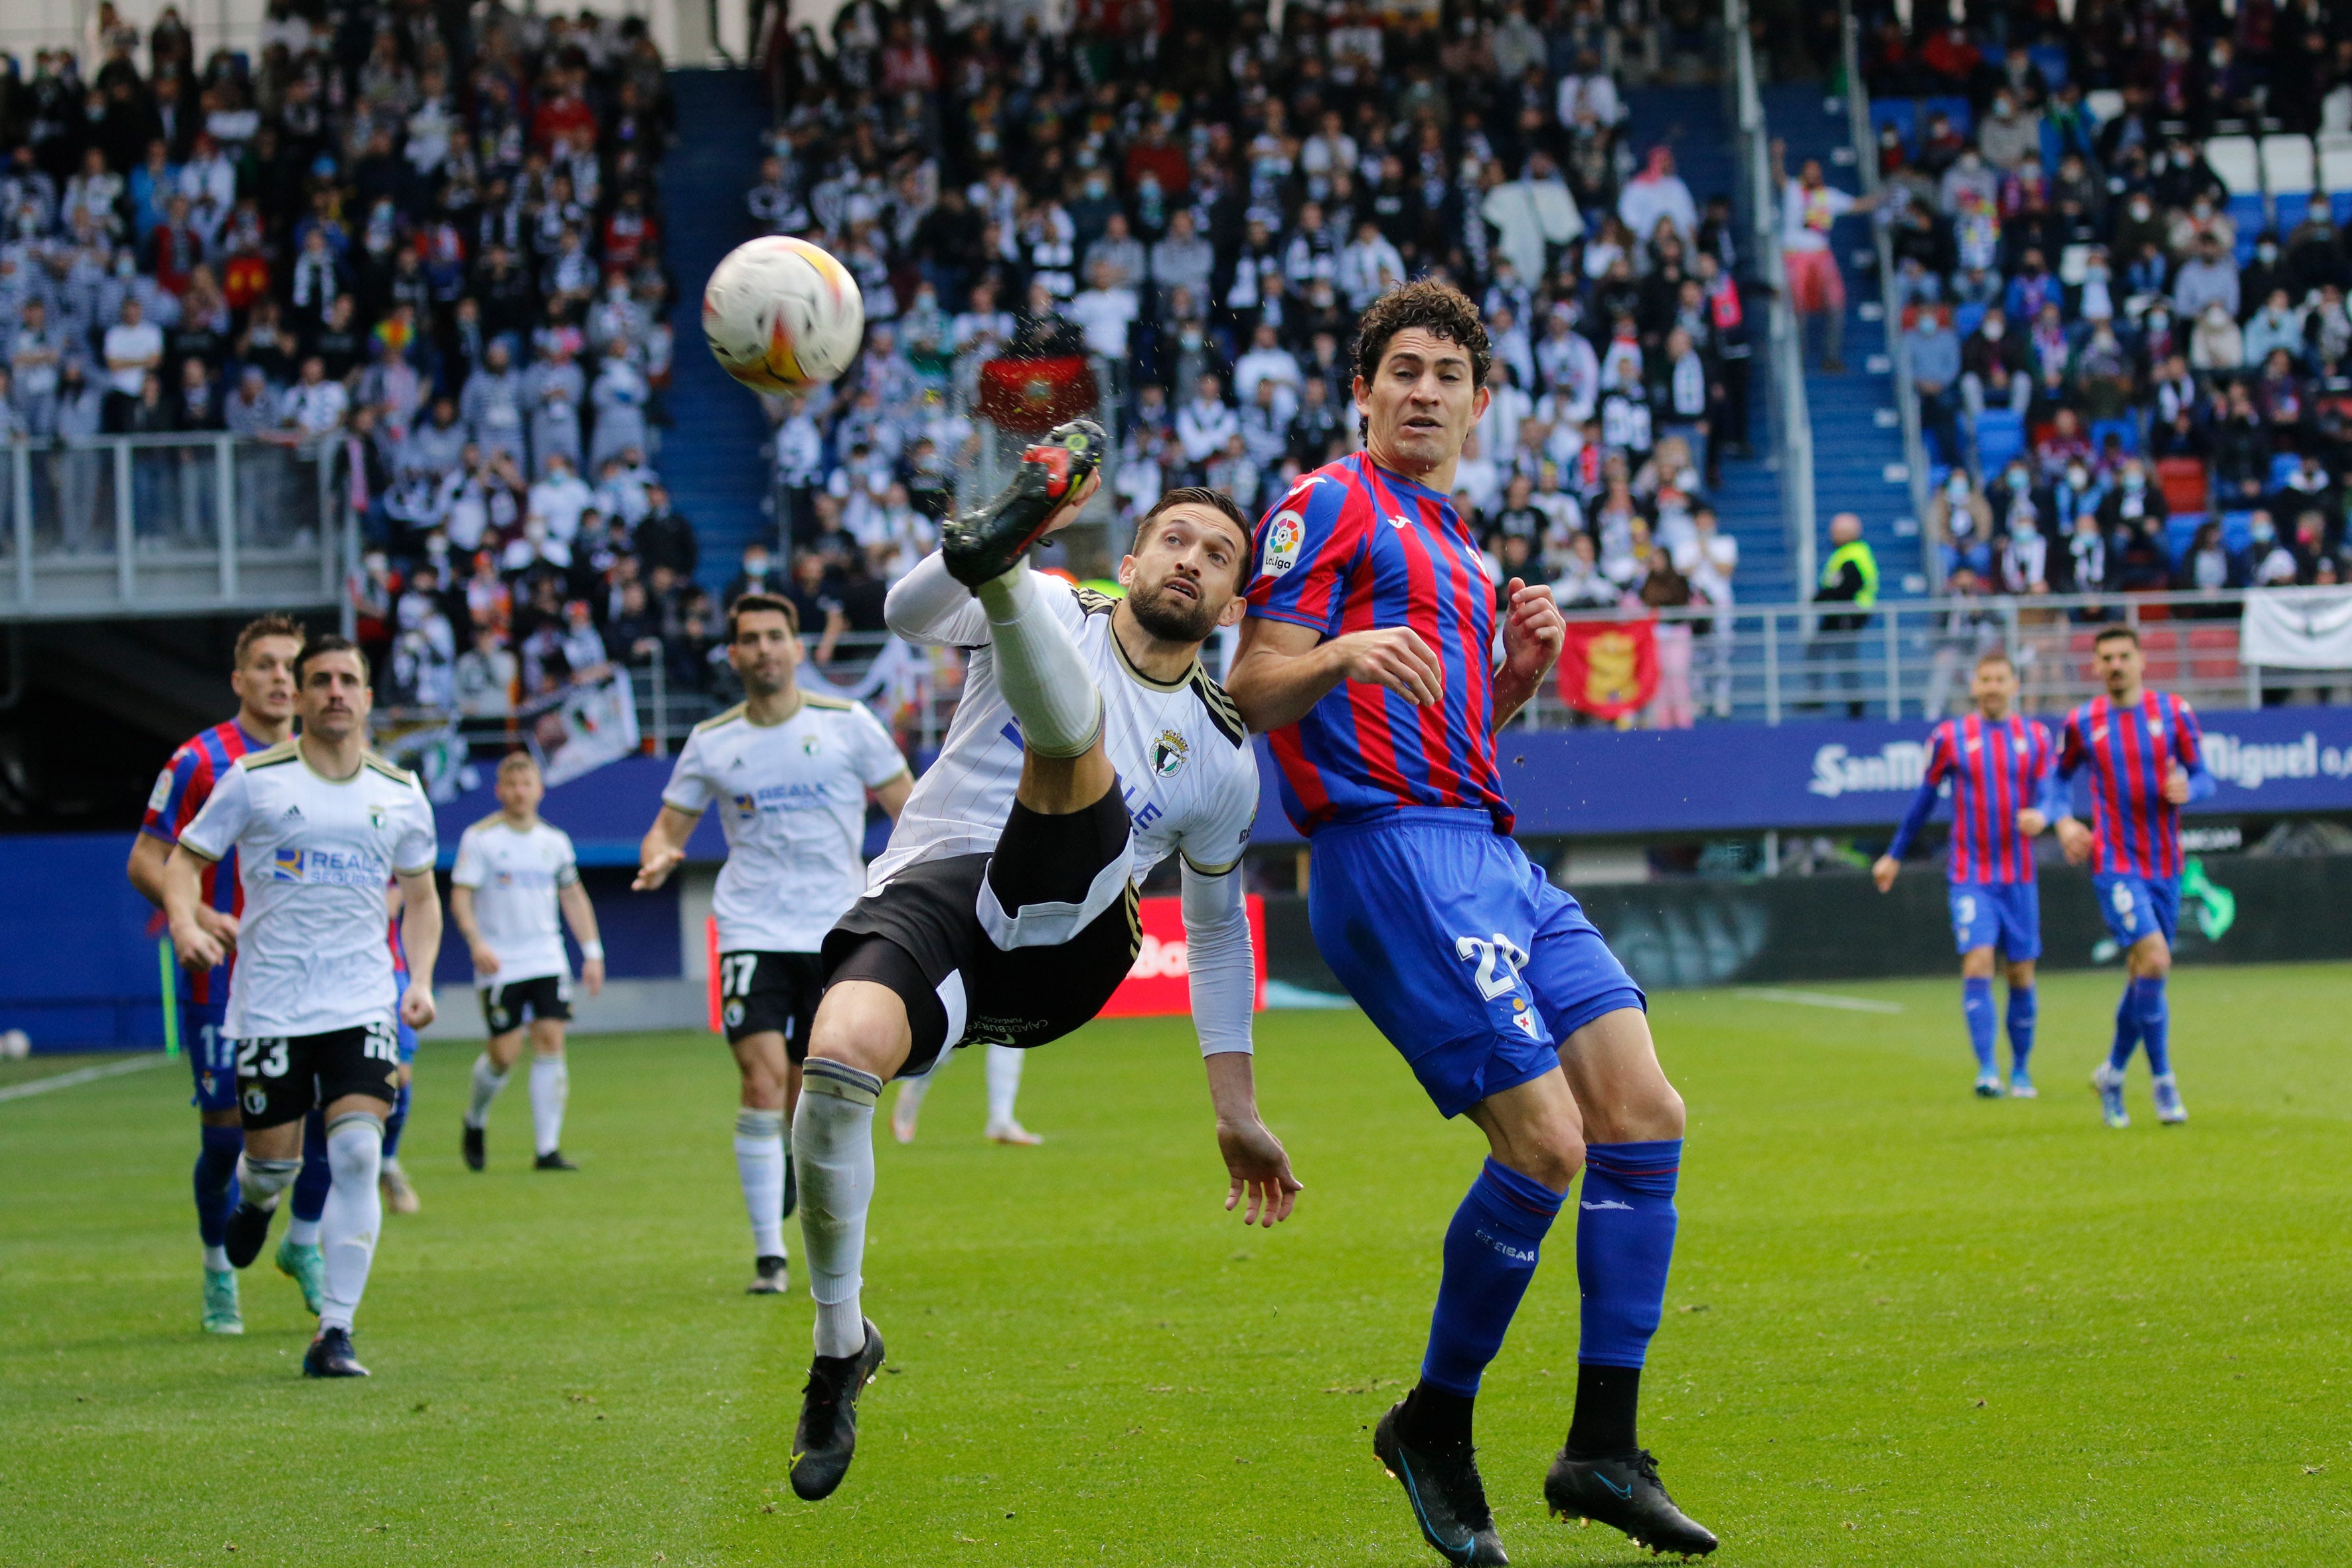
(2267, 252)
(2140, 208)
(1993, 330)
(1956, 487)
(2020, 481)
(2078, 477)
(2133, 481)
(2263, 530)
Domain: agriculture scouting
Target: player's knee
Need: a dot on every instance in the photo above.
(1553, 1160)
(1977, 963)
(860, 1025)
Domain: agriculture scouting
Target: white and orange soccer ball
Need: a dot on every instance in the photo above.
(782, 314)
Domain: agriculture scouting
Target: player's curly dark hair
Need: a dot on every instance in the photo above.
(1439, 309)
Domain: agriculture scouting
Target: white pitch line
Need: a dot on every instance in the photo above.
(1821, 999)
(80, 1074)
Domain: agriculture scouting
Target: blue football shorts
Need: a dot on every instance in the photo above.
(2003, 915)
(212, 1055)
(407, 1034)
(1471, 963)
(2135, 907)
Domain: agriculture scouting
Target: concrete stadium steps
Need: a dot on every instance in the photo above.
(710, 456)
(1691, 120)
(1858, 463)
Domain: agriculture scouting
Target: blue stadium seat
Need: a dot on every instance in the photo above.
(2126, 432)
(2283, 467)
(1901, 113)
(1963, 118)
(2051, 59)
(2339, 205)
(2181, 532)
(1966, 318)
(2250, 217)
(2000, 436)
(2237, 527)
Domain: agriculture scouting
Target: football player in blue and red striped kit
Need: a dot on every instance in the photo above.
(2003, 795)
(263, 679)
(1371, 658)
(2146, 759)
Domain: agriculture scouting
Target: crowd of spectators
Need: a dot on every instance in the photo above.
(1202, 207)
(2124, 386)
(414, 243)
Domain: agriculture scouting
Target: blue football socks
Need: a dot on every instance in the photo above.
(316, 1175)
(2024, 1010)
(2126, 1027)
(393, 1123)
(1490, 1255)
(1976, 1006)
(2147, 1000)
(215, 1182)
(1624, 1240)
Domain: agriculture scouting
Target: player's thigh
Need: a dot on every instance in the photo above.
(212, 1061)
(757, 994)
(1613, 1068)
(2019, 907)
(1429, 925)
(1536, 1129)
(863, 1023)
(1976, 919)
(760, 1062)
(1052, 876)
(547, 1037)
(804, 976)
(2129, 907)
(360, 1062)
(275, 1088)
(1058, 785)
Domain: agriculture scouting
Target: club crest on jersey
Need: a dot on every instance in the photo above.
(808, 746)
(1169, 754)
(376, 816)
(1283, 536)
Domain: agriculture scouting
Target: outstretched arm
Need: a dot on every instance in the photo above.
(1224, 981)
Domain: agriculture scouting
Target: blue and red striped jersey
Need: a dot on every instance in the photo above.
(2129, 751)
(1353, 547)
(1997, 771)
(181, 791)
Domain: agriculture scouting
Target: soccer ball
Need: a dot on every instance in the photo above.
(780, 314)
(15, 1046)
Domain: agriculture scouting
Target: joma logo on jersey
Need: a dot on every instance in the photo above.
(1169, 754)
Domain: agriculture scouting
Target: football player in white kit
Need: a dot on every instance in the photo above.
(1089, 745)
(515, 879)
(790, 770)
(319, 825)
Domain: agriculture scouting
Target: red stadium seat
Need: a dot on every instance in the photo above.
(2213, 638)
(2081, 643)
(2182, 480)
(2154, 641)
(2163, 671)
(2216, 670)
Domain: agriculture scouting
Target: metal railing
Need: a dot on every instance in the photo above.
(155, 525)
(1898, 351)
(1913, 659)
(1792, 423)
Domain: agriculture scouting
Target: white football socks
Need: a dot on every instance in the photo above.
(259, 1181)
(354, 1215)
(551, 1086)
(487, 1081)
(833, 1142)
(1004, 1083)
(760, 1163)
(216, 1260)
(301, 1232)
(1045, 682)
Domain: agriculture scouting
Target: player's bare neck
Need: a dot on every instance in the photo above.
(337, 762)
(268, 731)
(772, 708)
(1154, 658)
(1438, 476)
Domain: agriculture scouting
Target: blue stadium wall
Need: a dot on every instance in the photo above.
(79, 970)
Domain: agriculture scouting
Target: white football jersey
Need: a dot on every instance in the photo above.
(1185, 765)
(516, 877)
(792, 801)
(315, 853)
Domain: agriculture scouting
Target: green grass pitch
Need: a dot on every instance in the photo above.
(1906, 1326)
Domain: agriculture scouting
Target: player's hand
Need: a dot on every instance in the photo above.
(221, 923)
(655, 870)
(1883, 870)
(2075, 839)
(1260, 1167)
(199, 945)
(2176, 785)
(1532, 635)
(1396, 657)
(416, 1007)
(1067, 512)
(592, 975)
(2031, 823)
(485, 961)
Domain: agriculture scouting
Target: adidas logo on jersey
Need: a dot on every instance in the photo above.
(291, 814)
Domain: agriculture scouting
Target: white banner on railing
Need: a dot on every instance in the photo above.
(2297, 629)
(593, 724)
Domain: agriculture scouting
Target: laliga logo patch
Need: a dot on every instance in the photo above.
(734, 1014)
(1168, 754)
(1283, 536)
